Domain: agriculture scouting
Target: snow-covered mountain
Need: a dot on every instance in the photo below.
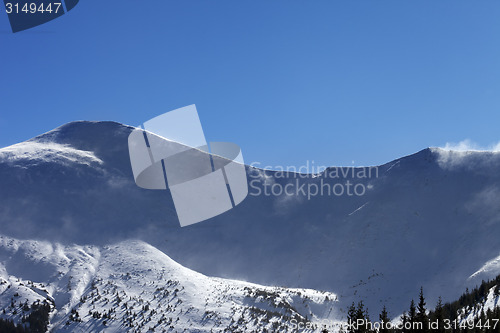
(132, 286)
(430, 219)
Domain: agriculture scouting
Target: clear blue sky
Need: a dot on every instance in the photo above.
(333, 81)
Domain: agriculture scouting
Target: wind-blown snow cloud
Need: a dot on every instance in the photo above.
(463, 153)
(468, 145)
(486, 205)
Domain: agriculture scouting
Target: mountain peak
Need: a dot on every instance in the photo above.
(85, 132)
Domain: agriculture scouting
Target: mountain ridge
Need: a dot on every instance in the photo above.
(428, 219)
(132, 286)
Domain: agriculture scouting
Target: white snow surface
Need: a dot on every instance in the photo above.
(47, 152)
(469, 314)
(132, 286)
(490, 268)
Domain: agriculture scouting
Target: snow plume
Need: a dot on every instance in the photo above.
(464, 153)
(285, 204)
(468, 145)
(260, 176)
(261, 179)
(488, 270)
(486, 205)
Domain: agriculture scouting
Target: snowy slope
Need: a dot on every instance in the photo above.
(469, 314)
(132, 286)
(430, 219)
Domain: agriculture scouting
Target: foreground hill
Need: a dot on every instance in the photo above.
(131, 286)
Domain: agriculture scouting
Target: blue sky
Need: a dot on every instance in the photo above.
(333, 81)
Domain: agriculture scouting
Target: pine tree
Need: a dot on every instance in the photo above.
(358, 315)
(362, 314)
(439, 316)
(404, 318)
(412, 316)
(421, 316)
(384, 320)
(351, 318)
